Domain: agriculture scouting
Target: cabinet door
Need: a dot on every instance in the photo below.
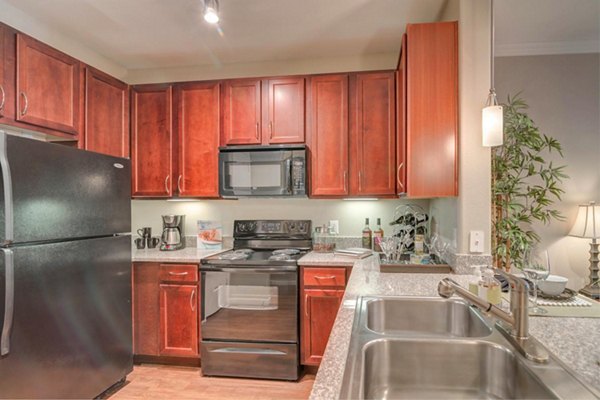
(146, 301)
(401, 121)
(151, 141)
(106, 114)
(48, 86)
(284, 114)
(432, 109)
(372, 134)
(328, 135)
(319, 309)
(3, 64)
(199, 129)
(242, 112)
(178, 320)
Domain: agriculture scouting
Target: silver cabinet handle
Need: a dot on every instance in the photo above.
(346, 182)
(167, 184)
(178, 273)
(3, 98)
(271, 129)
(192, 302)
(257, 130)
(398, 176)
(9, 288)
(360, 181)
(325, 277)
(179, 184)
(306, 305)
(24, 110)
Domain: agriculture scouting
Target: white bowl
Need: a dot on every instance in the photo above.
(553, 285)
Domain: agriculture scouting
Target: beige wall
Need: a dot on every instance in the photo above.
(471, 210)
(351, 214)
(563, 93)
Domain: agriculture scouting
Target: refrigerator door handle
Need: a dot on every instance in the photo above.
(9, 300)
(8, 193)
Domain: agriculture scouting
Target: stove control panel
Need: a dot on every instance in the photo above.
(282, 228)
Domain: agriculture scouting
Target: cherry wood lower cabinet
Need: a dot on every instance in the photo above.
(322, 290)
(106, 114)
(166, 311)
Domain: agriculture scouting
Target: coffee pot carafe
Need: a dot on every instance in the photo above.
(172, 234)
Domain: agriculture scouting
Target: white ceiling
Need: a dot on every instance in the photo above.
(547, 26)
(139, 34)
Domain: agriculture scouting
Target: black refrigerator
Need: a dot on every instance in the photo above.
(65, 270)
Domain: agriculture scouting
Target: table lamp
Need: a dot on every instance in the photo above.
(587, 225)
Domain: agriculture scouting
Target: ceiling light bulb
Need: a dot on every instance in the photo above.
(211, 11)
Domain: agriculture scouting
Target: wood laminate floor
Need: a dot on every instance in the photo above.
(150, 381)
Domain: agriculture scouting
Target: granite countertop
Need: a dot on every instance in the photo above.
(574, 340)
(185, 255)
(326, 259)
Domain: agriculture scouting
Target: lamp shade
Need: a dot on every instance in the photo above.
(587, 224)
(492, 125)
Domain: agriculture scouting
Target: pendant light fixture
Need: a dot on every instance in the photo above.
(492, 119)
(211, 11)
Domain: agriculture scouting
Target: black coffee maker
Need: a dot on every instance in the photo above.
(172, 235)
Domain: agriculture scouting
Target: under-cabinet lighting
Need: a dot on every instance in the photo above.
(183, 200)
(361, 199)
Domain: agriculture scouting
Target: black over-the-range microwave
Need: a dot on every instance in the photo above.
(262, 171)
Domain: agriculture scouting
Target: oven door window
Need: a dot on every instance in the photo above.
(250, 306)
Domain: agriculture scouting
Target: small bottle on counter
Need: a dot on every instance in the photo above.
(378, 236)
(490, 287)
(367, 236)
(474, 278)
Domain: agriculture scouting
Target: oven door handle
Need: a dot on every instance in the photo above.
(279, 269)
(247, 351)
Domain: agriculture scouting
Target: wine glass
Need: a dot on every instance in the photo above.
(536, 268)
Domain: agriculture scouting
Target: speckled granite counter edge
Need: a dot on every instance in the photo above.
(186, 255)
(580, 351)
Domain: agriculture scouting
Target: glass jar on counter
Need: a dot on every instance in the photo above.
(322, 241)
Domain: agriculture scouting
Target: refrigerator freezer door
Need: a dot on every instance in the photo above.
(71, 330)
(60, 193)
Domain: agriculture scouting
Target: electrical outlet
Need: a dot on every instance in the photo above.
(334, 225)
(476, 242)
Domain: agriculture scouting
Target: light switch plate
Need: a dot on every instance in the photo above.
(334, 225)
(476, 242)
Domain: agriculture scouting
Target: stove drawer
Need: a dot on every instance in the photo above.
(324, 276)
(250, 360)
(178, 272)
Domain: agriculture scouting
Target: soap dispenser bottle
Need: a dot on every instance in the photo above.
(490, 287)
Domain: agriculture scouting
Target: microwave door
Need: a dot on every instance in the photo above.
(256, 174)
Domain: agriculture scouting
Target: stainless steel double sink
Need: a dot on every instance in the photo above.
(434, 348)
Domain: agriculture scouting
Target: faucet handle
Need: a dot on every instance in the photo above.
(520, 284)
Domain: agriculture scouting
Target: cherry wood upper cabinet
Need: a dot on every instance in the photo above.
(328, 135)
(106, 114)
(151, 141)
(372, 134)
(242, 112)
(198, 116)
(48, 86)
(284, 111)
(401, 121)
(432, 109)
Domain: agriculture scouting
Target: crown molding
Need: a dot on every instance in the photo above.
(547, 48)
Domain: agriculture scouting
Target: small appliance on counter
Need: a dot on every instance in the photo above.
(172, 236)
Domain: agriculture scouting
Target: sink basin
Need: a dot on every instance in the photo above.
(424, 316)
(436, 369)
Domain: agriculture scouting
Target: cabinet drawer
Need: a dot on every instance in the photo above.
(325, 277)
(178, 272)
